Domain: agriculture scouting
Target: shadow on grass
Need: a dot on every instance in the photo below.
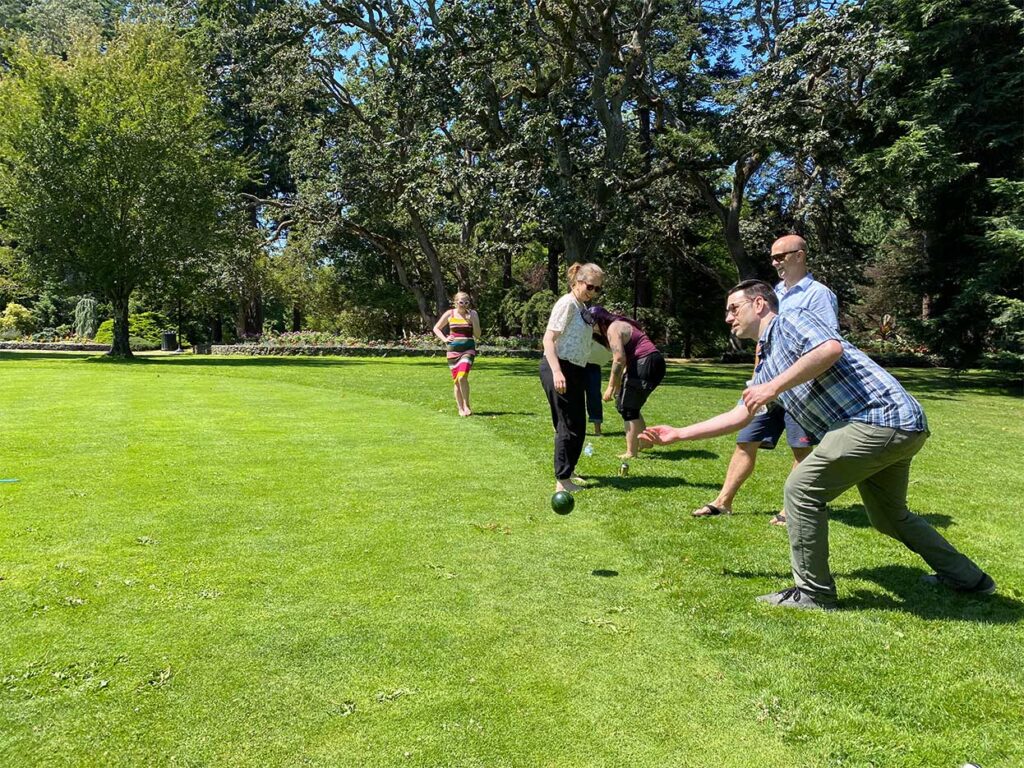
(26, 354)
(635, 483)
(604, 573)
(945, 384)
(503, 413)
(202, 361)
(929, 383)
(911, 596)
(856, 516)
(681, 453)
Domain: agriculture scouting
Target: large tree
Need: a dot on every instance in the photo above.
(110, 176)
(945, 153)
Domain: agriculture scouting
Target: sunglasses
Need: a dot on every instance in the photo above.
(732, 309)
(594, 288)
(462, 303)
(782, 256)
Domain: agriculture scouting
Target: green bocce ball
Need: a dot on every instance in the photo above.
(562, 502)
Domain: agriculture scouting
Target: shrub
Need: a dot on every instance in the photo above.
(139, 344)
(46, 336)
(376, 323)
(18, 318)
(145, 326)
(87, 319)
(536, 312)
(510, 311)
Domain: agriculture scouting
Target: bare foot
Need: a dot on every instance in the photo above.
(644, 443)
(627, 455)
(567, 485)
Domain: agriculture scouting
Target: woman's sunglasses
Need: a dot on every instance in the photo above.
(594, 288)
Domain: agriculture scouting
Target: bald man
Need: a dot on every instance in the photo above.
(797, 290)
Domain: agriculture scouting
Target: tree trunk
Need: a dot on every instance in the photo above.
(296, 319)
(250, 315)
(440, 294)
(729, 215)
(554, 251)
(403, 279)
(120, 346)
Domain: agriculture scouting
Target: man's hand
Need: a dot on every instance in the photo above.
(758, 395)
(661, 434)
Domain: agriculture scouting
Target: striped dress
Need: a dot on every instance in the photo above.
(461, 345)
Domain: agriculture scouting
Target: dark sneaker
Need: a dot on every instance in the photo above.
(986, 586)
(795, 598)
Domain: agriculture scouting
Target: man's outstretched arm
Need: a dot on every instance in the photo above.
(722, 424)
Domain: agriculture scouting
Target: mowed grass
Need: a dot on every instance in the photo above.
(262, 562)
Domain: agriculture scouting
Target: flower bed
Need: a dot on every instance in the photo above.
(316, 343)
(361, 350)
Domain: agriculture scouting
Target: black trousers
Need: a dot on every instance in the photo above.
(568, 414)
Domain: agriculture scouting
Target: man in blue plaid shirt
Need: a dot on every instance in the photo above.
(869, 429)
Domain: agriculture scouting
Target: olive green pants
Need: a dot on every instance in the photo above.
(876, 460)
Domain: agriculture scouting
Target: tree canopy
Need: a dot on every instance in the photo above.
(398, 151)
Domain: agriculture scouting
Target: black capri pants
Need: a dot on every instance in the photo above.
(642, 377)
(568, 414)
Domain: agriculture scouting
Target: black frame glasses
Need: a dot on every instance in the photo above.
(782, 256)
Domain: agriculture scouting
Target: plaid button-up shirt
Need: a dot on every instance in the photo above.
(856, 388)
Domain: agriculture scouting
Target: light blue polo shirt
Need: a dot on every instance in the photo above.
(812, 295)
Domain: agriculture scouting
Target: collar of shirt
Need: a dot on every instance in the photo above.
(764, 345)
(803, 285)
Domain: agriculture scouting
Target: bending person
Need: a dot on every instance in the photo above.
(463, 331)
(599, 355)
(869, 429)
(797, 289)
(567, 343)
(637, 369)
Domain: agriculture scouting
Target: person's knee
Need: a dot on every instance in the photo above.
(796, 495)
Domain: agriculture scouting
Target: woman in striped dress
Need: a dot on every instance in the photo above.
(463, 331)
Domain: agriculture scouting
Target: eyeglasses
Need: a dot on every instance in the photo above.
(782, 256)
(462, 303)
(732, 309)
(593, 288)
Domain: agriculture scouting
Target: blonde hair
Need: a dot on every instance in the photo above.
(462, 295)
(583, 272)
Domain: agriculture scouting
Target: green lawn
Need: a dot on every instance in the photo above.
(262, 562)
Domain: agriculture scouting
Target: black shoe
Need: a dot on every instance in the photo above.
(794, 597)
(985, 586)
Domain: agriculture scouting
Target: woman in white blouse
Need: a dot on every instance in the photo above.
(567, 343)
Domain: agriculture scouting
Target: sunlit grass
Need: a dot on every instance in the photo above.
(316, 562)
